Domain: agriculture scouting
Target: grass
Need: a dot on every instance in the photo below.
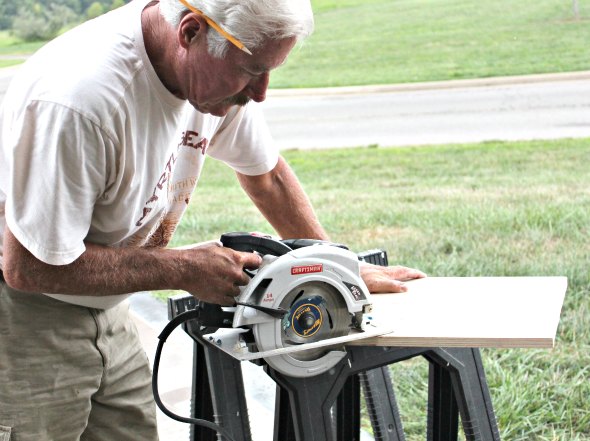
(490, 209)
(10, 62)
(13, 46)
(359, 42)
(13, 51)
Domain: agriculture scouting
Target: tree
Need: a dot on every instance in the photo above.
(94, 10)
(117, 4)
(8, 9)
(42, 23)
(23, 13)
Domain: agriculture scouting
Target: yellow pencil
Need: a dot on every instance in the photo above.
(215, 26)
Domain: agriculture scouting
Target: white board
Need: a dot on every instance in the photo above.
(500, 312)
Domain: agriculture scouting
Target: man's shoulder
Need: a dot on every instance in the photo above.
(91, 77)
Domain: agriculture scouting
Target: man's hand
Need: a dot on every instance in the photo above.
(217, 272)
(385, 279)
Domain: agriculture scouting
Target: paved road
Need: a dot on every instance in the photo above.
(537, 107)
(519, 108)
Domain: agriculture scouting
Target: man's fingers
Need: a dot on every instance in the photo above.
(405, 273)
(227, 300)
(397, 286)
(248, 260)
(243, 281)
(385, 285)
(380, 279)
(251, 260)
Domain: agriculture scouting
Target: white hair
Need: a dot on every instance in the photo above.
(250, 21)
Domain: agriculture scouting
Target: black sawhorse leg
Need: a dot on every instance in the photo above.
(218, 394)
(457, 386)
(382, 405)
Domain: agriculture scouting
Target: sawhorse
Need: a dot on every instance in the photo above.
(457, 386)
(326, 407)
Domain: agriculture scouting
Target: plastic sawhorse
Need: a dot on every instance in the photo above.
(325, 407)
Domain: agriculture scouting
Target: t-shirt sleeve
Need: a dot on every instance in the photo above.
(57, 157)
(244, 142)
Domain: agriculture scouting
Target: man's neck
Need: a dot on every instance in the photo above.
(160, 45)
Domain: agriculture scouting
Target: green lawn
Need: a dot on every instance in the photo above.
(360, 42)
(490, 209)
(9, 62)
(13, 51)
(12, 46)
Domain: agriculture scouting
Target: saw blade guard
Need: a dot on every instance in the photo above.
(321, 289)
(278, 276)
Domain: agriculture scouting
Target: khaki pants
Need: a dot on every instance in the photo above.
(71, 373)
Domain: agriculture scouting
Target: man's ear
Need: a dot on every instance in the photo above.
(188, 39)
(191, 27)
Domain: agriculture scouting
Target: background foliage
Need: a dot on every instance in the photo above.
(33, 20)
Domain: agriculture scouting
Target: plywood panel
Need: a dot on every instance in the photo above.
(502, 312)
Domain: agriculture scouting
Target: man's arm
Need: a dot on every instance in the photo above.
(210, 272)
(283, 202)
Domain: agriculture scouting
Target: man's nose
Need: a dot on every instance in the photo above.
(256, 88)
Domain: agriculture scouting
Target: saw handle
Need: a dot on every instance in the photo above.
(300, 243)
(252, 243)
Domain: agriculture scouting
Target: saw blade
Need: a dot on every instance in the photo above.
(317, 312)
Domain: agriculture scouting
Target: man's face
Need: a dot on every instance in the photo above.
(214, 85)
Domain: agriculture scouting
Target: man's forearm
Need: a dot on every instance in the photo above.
(283, 202)
(209, 271)
(99, 270)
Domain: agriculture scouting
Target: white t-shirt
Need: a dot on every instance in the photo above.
(95, 148)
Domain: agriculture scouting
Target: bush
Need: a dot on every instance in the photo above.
(41, 24)
(96, 9)
(117, 4)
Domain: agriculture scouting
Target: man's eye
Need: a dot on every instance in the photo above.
(251, 73)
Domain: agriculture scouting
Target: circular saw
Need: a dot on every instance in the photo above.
(305, 301)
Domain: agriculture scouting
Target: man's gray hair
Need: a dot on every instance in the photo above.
(250, 21)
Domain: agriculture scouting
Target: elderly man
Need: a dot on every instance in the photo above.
(103, 136)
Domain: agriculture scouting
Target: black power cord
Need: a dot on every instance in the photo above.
(173, 324)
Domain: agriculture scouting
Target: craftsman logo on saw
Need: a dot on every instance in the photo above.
(307, 269)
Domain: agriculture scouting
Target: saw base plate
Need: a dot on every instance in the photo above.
(232, 342)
